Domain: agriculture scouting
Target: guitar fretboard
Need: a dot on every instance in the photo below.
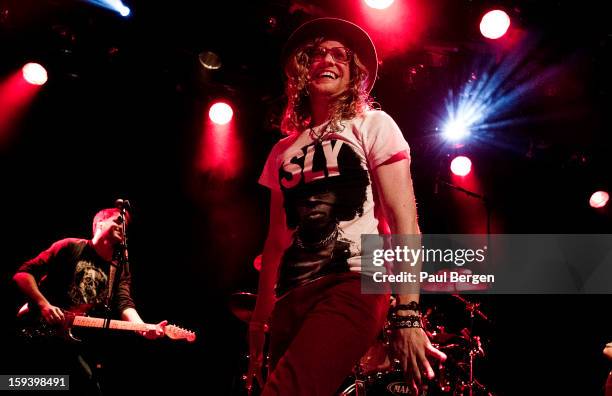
(86, 321)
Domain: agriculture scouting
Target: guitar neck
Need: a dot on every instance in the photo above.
(86, 321)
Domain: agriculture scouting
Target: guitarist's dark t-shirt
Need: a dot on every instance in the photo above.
(70, 273)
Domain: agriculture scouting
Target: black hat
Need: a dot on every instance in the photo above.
(352, 35)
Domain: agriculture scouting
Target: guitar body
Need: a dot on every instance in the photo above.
(40, 330)
(32, 327)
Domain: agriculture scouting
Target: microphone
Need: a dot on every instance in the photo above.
(123, 204)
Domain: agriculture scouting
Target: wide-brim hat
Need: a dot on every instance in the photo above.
(347, 32)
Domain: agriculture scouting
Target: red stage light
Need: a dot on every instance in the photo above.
(599, 199)
(15, 95)
(379, 4)
(34, 73)
(494, 24)
(220, 113)
(257, 263)
(461, 165)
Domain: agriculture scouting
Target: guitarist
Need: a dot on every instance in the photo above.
(76, 274)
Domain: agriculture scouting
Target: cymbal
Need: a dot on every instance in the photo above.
(242, 305)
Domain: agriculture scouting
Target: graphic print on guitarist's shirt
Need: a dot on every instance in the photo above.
(89, 285)
(323, 184)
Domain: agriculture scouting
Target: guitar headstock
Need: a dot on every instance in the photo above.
(178, 333)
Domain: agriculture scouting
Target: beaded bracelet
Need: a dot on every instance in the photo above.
(405, 322)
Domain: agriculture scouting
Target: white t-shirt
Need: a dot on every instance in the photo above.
(304, 166)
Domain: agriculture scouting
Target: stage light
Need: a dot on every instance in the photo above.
(464, 113)
(123, 10)
(599, 199)
(209, 60)
(257, 263)
(494, 24)
(379, 4)
(221, 148)
(34, 73)
(220, 113)
(456, 129)
(461, 166)
(115, 5)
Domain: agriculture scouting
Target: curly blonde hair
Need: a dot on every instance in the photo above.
(352, 102)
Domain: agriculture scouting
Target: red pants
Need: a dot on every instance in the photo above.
(319, 331)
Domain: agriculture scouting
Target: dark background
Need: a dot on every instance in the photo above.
(123, 113)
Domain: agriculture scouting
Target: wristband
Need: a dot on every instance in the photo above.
(406, 322)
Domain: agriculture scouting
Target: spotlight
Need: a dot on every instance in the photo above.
(464, 114)
(114, 5)
(379, 4)
(209, 60)
(34, 73)
(123, 10)
(494, 24)
(461, 166)
(257, 263)
(599, 199)
(456, 129)
(220, 113)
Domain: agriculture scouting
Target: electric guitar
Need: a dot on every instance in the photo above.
(34, 327)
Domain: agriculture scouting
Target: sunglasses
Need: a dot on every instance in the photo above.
(340, 54)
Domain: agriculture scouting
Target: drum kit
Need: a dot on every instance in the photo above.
(377, 373)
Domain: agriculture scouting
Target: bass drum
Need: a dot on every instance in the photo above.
(383, 383)
(393, 383)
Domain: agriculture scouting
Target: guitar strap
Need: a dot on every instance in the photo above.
(111, 281)
(111, 286)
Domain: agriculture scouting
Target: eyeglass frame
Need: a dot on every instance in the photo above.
(323, 51)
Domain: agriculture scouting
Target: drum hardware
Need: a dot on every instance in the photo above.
(377, 374)
(474, 343)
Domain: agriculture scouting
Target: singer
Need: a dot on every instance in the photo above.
(341, 168)
(87, 276)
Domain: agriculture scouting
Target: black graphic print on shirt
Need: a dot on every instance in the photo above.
(90, 284)
(323, 184)
(328, 166)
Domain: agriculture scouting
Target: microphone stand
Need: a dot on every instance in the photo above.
(119, 262)
(485, 200)
(487, 204)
